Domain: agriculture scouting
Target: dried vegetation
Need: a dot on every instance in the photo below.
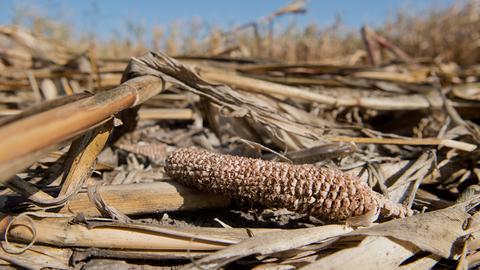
(92, 167)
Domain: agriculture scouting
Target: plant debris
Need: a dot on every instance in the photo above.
(245, 156)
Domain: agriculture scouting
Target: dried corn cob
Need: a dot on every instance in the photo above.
(322, 192)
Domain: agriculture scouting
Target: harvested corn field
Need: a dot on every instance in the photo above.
(262, 146)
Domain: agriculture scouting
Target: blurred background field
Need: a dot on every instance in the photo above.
(327, 32)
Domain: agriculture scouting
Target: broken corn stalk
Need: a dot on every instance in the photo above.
(325, 193)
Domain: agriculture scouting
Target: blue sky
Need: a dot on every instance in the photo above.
(103, 17)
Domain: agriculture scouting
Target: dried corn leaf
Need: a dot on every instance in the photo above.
(237, 104)
(372, 253)
(269, 243)
(439, 232)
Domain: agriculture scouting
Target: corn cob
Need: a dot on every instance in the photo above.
(326, 193)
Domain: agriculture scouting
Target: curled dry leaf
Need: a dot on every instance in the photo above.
(276, 122)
